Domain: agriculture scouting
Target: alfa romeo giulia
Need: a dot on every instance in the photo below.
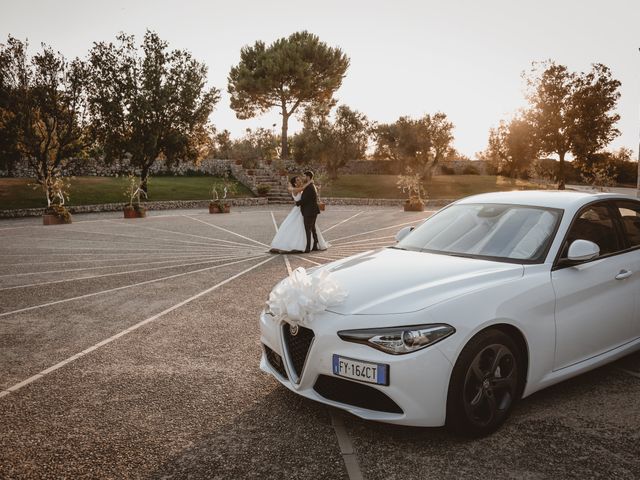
(485, 302)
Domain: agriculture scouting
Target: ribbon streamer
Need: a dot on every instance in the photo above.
(300, 296)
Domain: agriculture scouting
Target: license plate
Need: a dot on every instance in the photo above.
(368, 372)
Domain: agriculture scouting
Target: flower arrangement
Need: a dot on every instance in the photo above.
(134, 192)
(219, 204)
(300, 296)
(411, 184)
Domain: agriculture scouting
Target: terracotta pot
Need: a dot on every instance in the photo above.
(238, 162)
(133, 213)
(50, 219)
(321, 206)
(250, 172)
(213, 208)
(413, 207)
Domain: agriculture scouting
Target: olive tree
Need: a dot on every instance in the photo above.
(149, 103)
(44, 112)
(292, 72)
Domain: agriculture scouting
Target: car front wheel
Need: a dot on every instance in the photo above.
(484, 384)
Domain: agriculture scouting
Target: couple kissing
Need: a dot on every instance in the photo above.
(297, 231)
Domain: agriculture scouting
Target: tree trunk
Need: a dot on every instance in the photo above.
(144, 177)
(561, 172)
(284, 152)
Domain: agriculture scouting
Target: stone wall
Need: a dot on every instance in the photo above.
(186, 204)
(115, 207)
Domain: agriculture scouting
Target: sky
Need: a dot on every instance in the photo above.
(461, 57)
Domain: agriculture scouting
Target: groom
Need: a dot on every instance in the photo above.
(308, 204)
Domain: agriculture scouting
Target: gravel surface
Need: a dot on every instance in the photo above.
(182, 395)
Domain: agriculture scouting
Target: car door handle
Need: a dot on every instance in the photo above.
(624, 274)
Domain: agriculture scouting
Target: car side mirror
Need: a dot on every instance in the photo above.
(581, 250)
(403, 233)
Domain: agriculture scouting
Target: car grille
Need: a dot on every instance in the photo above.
(297, 347)
(275, 361)
(356, 394)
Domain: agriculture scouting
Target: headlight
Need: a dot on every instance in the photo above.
(399, 340)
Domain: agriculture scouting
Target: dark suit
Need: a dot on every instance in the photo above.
(308, 204)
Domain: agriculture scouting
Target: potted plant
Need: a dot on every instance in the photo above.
(133, 192)
(56, 215)
(218, 204)
(263, 189)
(411, 184)
(56, 189)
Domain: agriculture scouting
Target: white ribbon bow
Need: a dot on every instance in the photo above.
(300, 296)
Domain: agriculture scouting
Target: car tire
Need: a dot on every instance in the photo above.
(485, 384)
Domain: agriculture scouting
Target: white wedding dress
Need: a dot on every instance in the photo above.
(291, 236)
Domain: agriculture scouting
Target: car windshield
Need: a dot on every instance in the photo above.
(515, 233)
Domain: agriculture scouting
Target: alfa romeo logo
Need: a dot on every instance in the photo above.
(293, 330)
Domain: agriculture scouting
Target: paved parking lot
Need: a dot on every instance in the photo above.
(129, 349)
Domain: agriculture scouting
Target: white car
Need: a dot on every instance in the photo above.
(489, 300)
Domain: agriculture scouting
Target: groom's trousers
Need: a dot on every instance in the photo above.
(310, 229)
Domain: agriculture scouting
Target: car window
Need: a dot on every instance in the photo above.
(518, 233)
(630, 217)
(595, 224)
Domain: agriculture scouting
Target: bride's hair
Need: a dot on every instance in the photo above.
(292, 180)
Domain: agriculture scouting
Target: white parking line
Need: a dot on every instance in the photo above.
(275, 224)
(93, 294)
(58, 365)
(108, 244)
(44, 272)
(177, 255)
(340, 223)
(325, 258)
(115, 249)
(173, 241)
(186, 234)
(346, 447)
(364, 240)
(629, 372)
(310, 261)
(361, 246)
(377, 230)
(344, 442)
(228, 231)
(286, 258)
(200, 262)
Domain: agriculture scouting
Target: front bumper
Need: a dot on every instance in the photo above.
(418, 381)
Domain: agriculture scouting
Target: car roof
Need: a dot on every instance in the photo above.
(563, 199)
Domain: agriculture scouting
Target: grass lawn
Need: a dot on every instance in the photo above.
(16, 192)
(441, 186)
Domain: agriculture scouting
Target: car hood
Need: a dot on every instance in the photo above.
(386, 281)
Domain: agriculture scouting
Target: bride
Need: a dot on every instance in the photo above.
(291, 236)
